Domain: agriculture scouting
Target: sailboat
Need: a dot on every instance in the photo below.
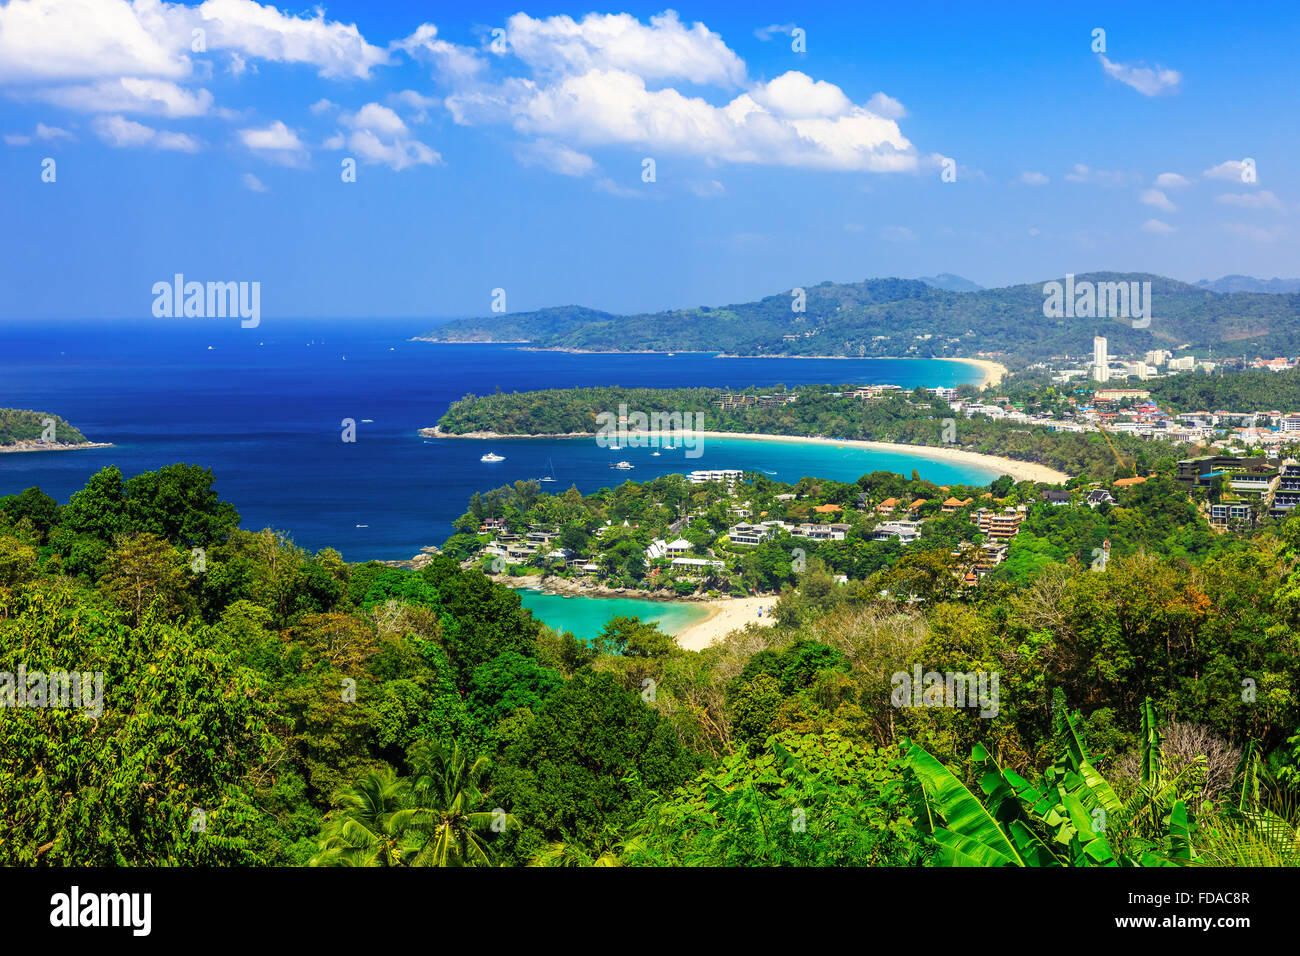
(551, 476)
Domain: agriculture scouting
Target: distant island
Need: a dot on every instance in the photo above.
(911, 318)
(26, 430)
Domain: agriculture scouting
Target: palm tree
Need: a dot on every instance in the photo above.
(370, 826)
(569, 853)
(446, 802)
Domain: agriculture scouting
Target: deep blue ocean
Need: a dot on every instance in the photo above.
(263, 409)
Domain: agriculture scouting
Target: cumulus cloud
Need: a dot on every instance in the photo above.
(663, 49)
(451, 60)
(379, 136)
(1157, 228)
(1149, 81)
(276, 142)
(790, 121)
(251, 182)
(1172, 181)
(1155, 197)
(1031, 178)
(1231, 169)
(123, 133)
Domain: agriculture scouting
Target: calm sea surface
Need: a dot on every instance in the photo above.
(263, 409)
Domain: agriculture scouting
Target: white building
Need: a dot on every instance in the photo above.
(1100, 359)
(728, 476)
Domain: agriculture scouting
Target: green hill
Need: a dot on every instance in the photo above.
(905, 317)
(17, 424)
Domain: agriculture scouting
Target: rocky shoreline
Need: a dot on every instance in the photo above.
(32, 445)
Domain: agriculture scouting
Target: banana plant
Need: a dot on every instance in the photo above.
(1062, 821)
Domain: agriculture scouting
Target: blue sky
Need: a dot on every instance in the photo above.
(515, 160)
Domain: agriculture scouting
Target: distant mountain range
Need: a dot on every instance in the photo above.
(1250, 284)
(913, 318)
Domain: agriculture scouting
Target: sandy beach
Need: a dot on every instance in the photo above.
(993, 371)
(726, 615)
(1019, 470)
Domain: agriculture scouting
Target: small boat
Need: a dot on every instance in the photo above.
(551, 475)
(623, 466)
(654, 454)
(367, 420)
(491, 457)
(363, 526)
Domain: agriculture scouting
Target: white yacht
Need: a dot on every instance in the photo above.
(623, 466)
(491, 457)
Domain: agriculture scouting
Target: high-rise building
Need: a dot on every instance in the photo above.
(1100, 360)
(1156, 357)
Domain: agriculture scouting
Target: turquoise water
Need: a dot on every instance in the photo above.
(585, 616)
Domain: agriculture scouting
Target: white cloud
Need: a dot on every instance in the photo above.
(664, 49)
(379, 136)
(766, 33)
(770, 124)
(1157, 228)
(418, 103)
(52, 134)
(130, 95)
(798, 96)
(1154, 197)
(1264, 199)
(52, 40)
(1172, 181)
(1230, 169)
(1079, 173)
(251, 182)
(452, 60)
(276, 142)
(337, 50)
(886, 106)
(555, 157)
(1146, 80)
(1031, 178)
(322, 106)
(124, 133)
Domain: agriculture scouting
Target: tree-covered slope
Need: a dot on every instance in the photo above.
(903, 317)
(18, 424)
